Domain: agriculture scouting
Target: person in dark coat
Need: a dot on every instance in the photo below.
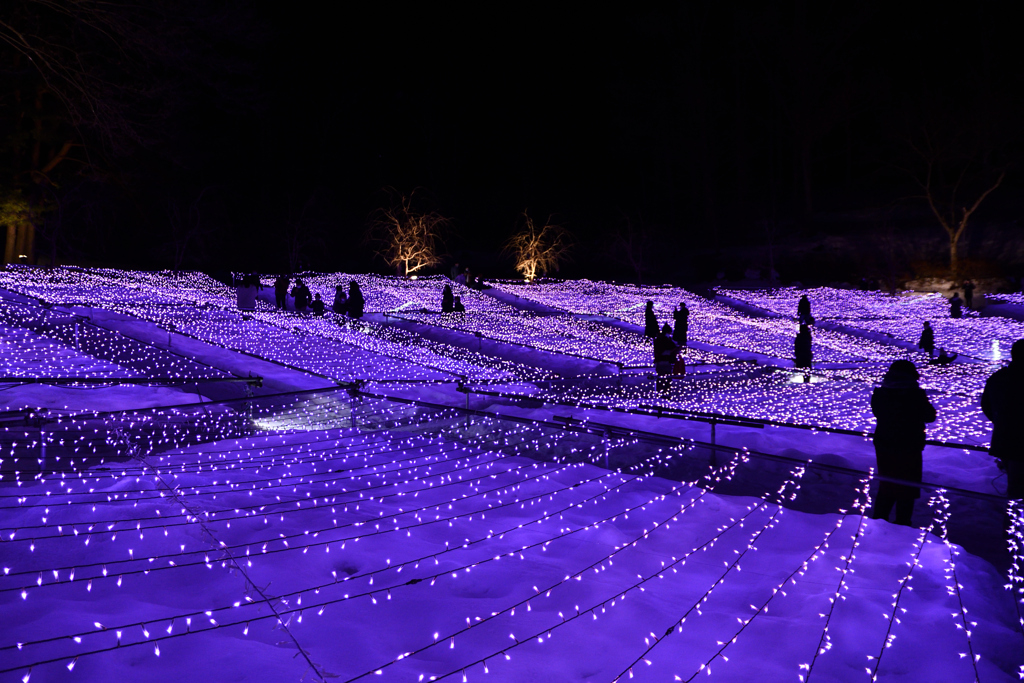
(246, 290)
(927, 341)
(969, 294)
(681, 317)
(902, 410)
(317, 306)
(802, 353)
(650, 321)
(457, 306)
(956, 306)
(281, 291)
(447, 300)
(665, 351)
(356, 303)
(1002, 401)
(456, 269)
(803, 311)
(340, 304)
(301, 295)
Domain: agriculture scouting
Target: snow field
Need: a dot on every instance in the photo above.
(445, 543)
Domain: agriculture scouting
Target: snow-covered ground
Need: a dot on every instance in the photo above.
(322, 533)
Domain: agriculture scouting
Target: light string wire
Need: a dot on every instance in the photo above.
(369, 592)
(825, 641)
(781, 494)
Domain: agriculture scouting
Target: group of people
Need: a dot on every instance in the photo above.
(927, 344)
(351, 304)
(464, 276)
(902, 410)
(451, 303)
(668, 342)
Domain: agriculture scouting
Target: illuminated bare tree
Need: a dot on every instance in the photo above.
(406, 237)
(538, 249)
(947, 168)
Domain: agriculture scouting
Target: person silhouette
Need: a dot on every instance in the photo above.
(803, 311)
(340, 303)
(681, 317)
(356, 303)
(650, 321)
(1002, 401)
(803, 355)
(447, 300)
(956, 306)
(281, 291)
(665, 351)
(969, 294)
(902, 409)
(927, 341)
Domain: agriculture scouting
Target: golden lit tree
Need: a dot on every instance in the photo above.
(406, 237)
(19, 217)
(538, 249)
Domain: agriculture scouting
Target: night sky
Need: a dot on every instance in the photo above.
(706, 127)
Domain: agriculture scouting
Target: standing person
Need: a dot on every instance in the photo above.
(447, 300)
(956, 306)
(301, 295)
(681, 317)
(356, 303)
(927, 341)
(1003, 404)
(803, 355)
(665, 351)
(246, 291)
(455, 271)
(340, 304)
(969, 294)
(281, 291)
(803, 311)
(902, 410)
(650, 321)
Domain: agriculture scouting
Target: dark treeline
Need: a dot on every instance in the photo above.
(674, 141)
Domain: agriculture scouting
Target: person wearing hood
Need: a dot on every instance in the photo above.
(902, 410)
(1002, 401)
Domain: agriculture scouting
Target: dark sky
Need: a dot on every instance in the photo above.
(692, 116)
(698, 122)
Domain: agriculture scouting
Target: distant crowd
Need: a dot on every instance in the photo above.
(900, 406)
(301, 300)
